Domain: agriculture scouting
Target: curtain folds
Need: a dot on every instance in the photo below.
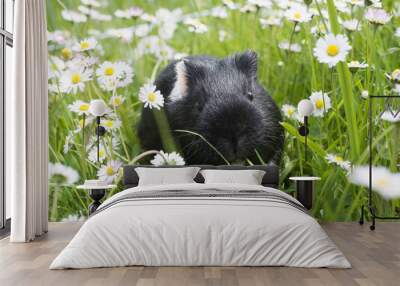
(27, 124)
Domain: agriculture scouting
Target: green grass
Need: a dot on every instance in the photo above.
(342, 131)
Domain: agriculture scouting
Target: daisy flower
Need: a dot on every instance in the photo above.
(58, 36)
(298, 13)
(384, 182)
(148, 18)
(296, 48)
(73, 81)
(270, 21)
(167, 21)
(351, 25)
(396, 88)
(195, 26)
(96, 15)
(332, 49)
(365, 94)
(219, 12)
(230, 4)
(110, 171)
(66, 53)
(342, 6)
(125, 34)
(168, 159)
(151, 97)
(149, 45)
(357, 65)
(73, 16)
(110, 124)
(92, 3)
(53, 88)
(318, 29)
(322, 103)
(82, 61)
(338, 160)
(260, 3)
(114, 75)
(133, 12)
(392, 117)
(289, 111)
(62, 175)
(108, 70)
(376, 3)
(142, 30)
(395, 75)
(83, 123)
(68, 141)
(55, 67)
(248, 8)
(397, 32)
(79, 107)
(359, 3)
(377, 16)
(116, 100)
(106, 144)
(85, 45)
(166, 53)
(92, 156)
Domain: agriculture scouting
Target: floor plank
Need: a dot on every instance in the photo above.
(375, 257)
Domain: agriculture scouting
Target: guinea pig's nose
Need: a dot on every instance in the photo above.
(234, 145)
(229, 147)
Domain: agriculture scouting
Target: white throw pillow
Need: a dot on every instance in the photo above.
(166, 176)
(247, 177)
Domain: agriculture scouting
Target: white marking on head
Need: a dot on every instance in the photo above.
(180, 87)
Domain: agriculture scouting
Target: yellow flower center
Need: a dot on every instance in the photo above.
(109, 71)
(151, 97)
(85, 45)
(109, 171)
(84, 107)
(290, 111)
(102, 152)
(117, 101)
(332, 50)
(396, 74)
(297, 15)
(76, 78)
(381, 182)
(108, 123)
(66, 53)
(319, 103)
(339, 159)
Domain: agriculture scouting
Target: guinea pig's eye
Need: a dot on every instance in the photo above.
(198, 107)
(250, 96)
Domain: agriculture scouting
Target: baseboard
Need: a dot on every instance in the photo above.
(5, 231)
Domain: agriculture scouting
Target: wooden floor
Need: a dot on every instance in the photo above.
(375, 257)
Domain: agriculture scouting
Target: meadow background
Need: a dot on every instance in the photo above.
(146, 41)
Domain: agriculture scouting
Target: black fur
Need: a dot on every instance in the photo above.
(226, 105)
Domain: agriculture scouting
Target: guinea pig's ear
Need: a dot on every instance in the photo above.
(181, 84)
(247, 63)
(195, 71)
(187, 73)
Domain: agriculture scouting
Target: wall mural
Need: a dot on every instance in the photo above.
(218, 82)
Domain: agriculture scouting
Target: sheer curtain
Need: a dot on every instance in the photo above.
(27, 124)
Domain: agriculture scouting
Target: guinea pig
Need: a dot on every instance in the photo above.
(221, 100)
